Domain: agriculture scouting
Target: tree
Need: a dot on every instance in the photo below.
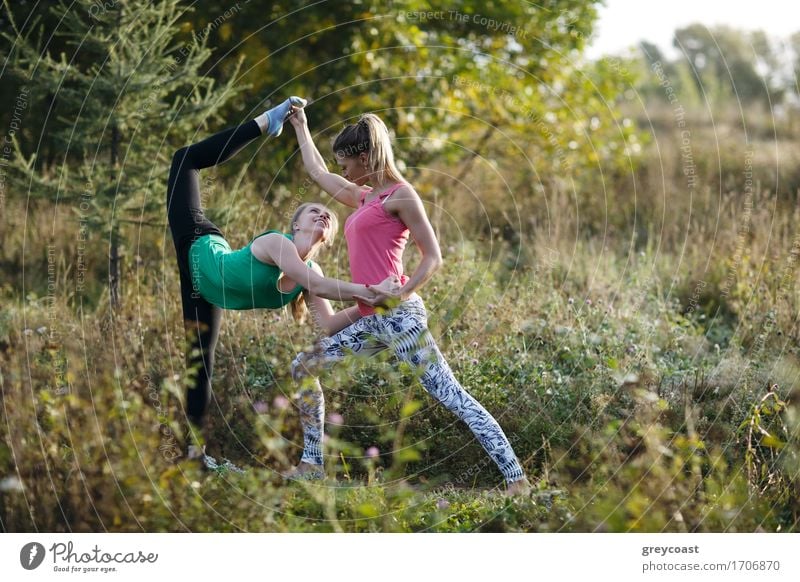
(742, 64)
(456, 81)
(125, 84)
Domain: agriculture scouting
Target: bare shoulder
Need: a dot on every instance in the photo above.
(264, 248)
(403, 198)
(405, 192)
(270, 240)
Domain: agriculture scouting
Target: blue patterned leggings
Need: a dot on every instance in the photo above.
(404, 330)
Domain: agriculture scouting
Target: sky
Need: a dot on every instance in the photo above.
(623, 23)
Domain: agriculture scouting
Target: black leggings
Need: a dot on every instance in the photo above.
(188, 223)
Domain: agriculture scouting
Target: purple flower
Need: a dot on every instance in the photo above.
(281, 402)
(261, 407)
(335, 418)
(442, 504)
(373, 453)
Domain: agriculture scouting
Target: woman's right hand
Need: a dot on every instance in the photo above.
(298, 117)
(385, 294)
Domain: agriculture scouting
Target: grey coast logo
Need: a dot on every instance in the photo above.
(31, 555)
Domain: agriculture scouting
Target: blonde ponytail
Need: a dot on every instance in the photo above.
(299, 308)
(370, 136)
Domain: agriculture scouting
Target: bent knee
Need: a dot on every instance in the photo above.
(180, 154)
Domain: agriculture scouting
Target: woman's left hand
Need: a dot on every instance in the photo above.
(385, 294)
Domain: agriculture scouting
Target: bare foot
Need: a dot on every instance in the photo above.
(520, 487)
(305, 472)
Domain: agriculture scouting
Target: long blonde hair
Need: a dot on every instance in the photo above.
(370, 136)
(299, 306)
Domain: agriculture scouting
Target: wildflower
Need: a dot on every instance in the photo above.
(260, 407)
(442, 504)
(335, 418)
(373, 452)
(281, 402)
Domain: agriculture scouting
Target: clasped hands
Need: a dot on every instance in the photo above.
(386, 294)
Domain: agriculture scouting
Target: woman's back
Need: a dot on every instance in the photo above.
(236, 279)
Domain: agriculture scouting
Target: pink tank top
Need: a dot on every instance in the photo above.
(375, 242)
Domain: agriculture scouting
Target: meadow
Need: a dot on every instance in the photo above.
(636, 337)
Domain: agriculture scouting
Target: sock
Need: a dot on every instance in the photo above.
(271, 122)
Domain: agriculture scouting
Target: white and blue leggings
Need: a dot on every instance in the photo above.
(404, 330)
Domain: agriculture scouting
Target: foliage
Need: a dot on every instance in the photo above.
(634, 333)
(132, 86)
(622, 412)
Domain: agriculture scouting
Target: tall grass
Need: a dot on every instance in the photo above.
(641, 357)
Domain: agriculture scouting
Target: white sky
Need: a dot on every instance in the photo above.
(623, 23)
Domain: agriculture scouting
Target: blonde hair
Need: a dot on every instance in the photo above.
(298, 306)
(369, 136)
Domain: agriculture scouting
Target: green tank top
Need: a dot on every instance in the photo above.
(236, 279)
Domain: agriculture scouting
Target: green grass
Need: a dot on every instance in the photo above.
(638, 346)
(630, 410)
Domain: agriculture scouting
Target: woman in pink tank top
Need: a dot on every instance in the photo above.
(387, 211)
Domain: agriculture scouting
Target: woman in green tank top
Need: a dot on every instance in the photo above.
(272, 271)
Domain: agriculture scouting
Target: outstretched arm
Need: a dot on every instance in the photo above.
(344, 191)
(324, 317)
(276, 249)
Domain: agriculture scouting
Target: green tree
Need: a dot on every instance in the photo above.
(458, 83)
(123, 86)
(743, 65)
